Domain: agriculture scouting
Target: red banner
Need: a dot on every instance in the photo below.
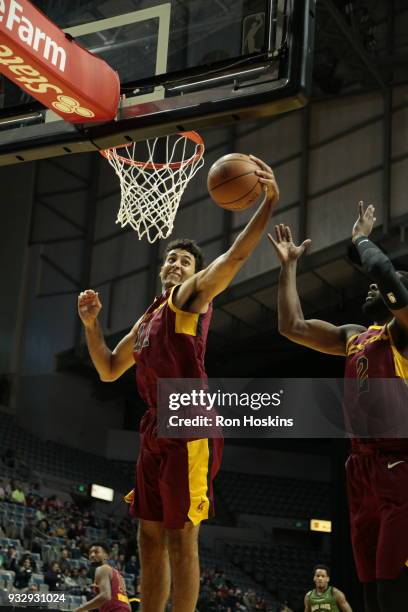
(41, 59)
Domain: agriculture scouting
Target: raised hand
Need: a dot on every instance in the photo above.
(267, 178)
(89, 306)
(365, 222)
(285, 248)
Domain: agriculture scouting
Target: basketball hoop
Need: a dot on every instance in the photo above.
(151, 190)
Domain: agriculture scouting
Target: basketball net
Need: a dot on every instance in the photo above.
(150, 190)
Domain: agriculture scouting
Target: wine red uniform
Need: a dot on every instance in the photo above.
(174, 477)
(377, 469)
(119, 601)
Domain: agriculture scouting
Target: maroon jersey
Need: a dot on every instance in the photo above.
(170, 343)
(119, 601)
(368, 406)
(174, 477)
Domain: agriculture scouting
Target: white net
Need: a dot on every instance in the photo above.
(151, 190)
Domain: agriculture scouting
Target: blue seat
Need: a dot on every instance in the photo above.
(8, 578)
(37, 579)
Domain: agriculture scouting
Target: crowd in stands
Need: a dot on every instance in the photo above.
(219, 594)
(51, 539)
(50, 546)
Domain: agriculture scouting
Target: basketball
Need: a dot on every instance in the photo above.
(232, 182)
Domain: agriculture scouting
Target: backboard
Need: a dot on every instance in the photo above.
(183, 64)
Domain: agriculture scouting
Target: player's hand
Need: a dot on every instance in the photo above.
(89, 306)
(284, 246)
(365, 222)
(267, 178)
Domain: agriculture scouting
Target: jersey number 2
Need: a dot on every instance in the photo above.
(362, 374)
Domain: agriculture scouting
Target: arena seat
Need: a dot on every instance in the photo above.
(273, 496)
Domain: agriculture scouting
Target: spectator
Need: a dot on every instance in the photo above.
(10, 562)
(28, 556)
(250, 600)
(60, 531)
(114, 552)
(54, 503)
(42, 529)
(84, 581)
(79, 530)
(69, 581)
(231, 599)
(41, 512)
(23, 574)
(17, 495)
(75, 578)
(63, 562)
(71, 533)
(120, 563)
(54, 578)
(34, 490)
(132, 566)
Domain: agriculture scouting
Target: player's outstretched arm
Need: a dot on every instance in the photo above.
(109, 364)
(341, 601)
(102, 581)
(204, 286)
(313, 333)
(378, 266)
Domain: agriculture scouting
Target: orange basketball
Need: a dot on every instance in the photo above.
(232, 182)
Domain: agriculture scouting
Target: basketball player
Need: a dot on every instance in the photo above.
(377, 470)
(325, 598)
(173, 491)
(109, 584)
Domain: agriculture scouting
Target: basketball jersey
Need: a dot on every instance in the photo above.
(324, 601)
(370, 355)
(119, 600)
(170, 343)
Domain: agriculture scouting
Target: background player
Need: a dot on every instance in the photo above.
(324, 597)
(109, 584)
(173, 492)
(377, 470)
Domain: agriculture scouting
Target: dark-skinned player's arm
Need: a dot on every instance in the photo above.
(109, 364)
(341, 601)
(313, 333)
(378, 266)
(102, 581)
(308, 607)
(199, 290)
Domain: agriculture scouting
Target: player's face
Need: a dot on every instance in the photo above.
(374, 307)
(97, 555)
(178, 266)
(321, 579)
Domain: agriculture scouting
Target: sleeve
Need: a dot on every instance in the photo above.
(379, 268)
